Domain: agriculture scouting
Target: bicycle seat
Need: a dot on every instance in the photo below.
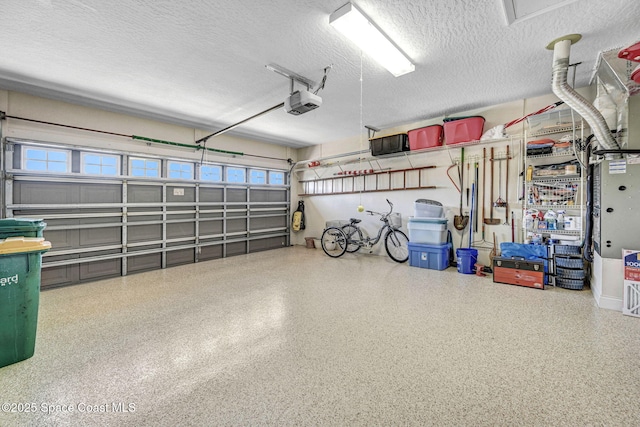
(355, 220)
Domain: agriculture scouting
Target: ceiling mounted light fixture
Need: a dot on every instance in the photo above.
(354, 24)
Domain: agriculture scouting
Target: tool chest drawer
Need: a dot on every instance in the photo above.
(518, 272)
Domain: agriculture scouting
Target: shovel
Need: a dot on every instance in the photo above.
(460, 221)
(492, 220)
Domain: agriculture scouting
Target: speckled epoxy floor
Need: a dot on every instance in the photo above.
(293, 337)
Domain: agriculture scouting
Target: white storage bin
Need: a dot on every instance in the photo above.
(552, 120)
(429, 231)
(428, 209)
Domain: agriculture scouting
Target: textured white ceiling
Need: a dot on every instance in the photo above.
(202, 63)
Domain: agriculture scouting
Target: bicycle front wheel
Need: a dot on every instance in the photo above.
(354, 237)
(334, 242)
(396, 244)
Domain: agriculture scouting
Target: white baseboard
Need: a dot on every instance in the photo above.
(610, 303)
(599, 266)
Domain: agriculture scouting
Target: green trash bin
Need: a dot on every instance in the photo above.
(11, 227)
(20, 265)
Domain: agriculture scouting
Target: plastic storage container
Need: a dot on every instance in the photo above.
(389, 144)
(424, 208)
(20, 264)
(429, 231)
(463, 130)
(552, 120)
(467, 258)
(434, 257)
(426, 137)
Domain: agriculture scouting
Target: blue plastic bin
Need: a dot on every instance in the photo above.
(434, 257)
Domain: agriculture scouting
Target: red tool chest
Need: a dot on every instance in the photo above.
(521, 272)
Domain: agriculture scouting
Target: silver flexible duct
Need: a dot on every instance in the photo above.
(573, 99)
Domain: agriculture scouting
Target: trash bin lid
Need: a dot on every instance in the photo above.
(12, 245)
(20, 222)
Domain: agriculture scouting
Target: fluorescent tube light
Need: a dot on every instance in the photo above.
(354, 24)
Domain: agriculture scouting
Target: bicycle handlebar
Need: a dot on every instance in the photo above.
(382, 215)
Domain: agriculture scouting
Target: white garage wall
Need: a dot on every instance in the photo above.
(319, 209)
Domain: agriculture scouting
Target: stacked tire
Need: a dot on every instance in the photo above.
(569, 267)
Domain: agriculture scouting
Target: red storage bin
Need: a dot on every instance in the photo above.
(426, 137)
(463, 130)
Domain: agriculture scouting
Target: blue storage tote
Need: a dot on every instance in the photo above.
(434, 257)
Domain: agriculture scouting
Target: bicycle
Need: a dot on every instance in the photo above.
(336, 241)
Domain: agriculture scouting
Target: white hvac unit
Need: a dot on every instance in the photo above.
(301, 101)
(631, 299)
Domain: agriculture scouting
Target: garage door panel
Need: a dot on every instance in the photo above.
(100, 269)
(236, 248)
(210, 227)
(144, 233)
(210, 195)
(236, 195)
(210, 252)
(268, 222)
(100, 236)
(176, 216)
(181, 229)
(179, 257)
(267, 244)
(45, 193)
(62, 239)
(100, 193)
(177, 193)
(144, 193)
(145, 262)
(263, 195)
(236, 225)
(143, 218)
(61, 275)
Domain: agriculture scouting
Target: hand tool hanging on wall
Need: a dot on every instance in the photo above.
(494, 251)
(506, 201)
(484, 184)
(451, 179)
(481, 188)
(491, 220)
(472, 215)
(499, 203)
(475, 205)
(461, 221)
(468, 174)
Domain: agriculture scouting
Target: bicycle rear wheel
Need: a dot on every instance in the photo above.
(334, 242)
(354, 236)
(396, 244)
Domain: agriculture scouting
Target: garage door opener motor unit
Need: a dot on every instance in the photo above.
(300, 102)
